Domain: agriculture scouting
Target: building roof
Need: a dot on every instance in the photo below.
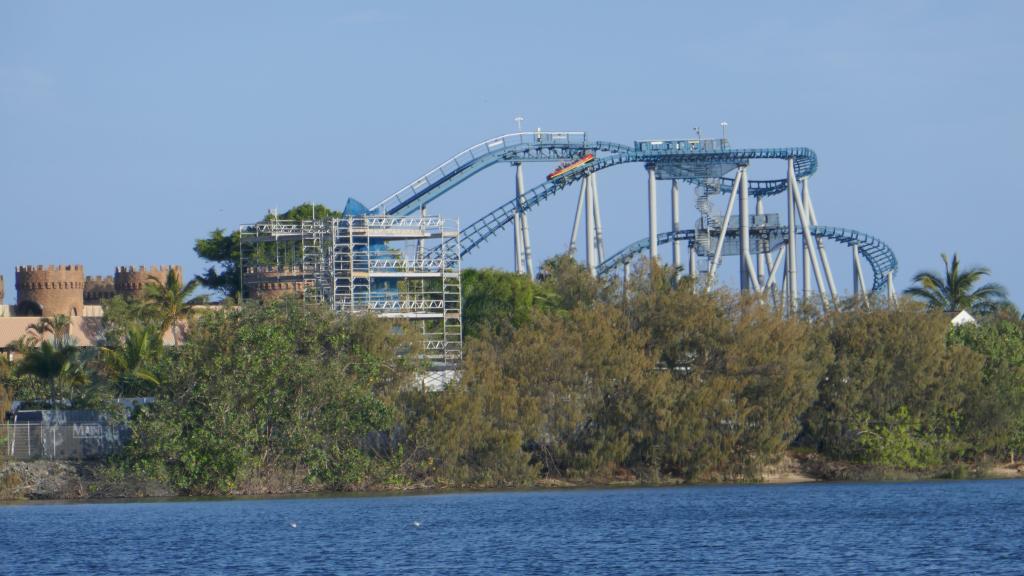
(86, 330)
(963, 318)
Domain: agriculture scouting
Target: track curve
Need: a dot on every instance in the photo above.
(700, 159)
(879, 255)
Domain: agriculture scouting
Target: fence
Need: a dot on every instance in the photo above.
(75, 441)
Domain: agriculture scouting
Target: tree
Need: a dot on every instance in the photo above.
(494, 299)
(59, 327)
(222, 249)
(172, 302)
(956, 289)
(128, 363)
(54, 363)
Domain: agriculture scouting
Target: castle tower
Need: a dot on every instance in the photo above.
(50, 290)
(131, 282)
(1, 289)
(268, 283)
(98, 289)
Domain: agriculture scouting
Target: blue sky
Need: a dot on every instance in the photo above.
(129, 129)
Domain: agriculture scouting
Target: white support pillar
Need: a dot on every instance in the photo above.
(748, 271)
(716, 258)
(809, 205)
(807, 249)
(762, 256)
(892, 288)
(677, 244)
(790, 283)
(598, 234)
(693, 260)
(808, 242)
(521, 202)
(579, 216)
(770, 279)
(517, 223)
(652, 210)
(591, 252)
(858, 275)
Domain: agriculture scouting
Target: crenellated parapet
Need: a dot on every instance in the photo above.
(98, 289)
(267, 283)
(50, 290)
(131, 281)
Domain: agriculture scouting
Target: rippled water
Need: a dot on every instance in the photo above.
(913, 528)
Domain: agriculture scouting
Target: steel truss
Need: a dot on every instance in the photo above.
(406, 267)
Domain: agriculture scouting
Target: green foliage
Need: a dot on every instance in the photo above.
(260, 389)
(995, 407)
(497, 300)
(886, 361)
(171, 303)
(904, 441)
(222, 249)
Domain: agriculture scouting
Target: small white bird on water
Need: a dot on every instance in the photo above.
(293, 524)
(416, 523)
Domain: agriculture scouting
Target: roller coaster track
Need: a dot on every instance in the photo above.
(552, 146)
(692, 161)
(877, 253)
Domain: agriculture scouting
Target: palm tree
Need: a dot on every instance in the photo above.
(52, 362)
(127, 363)
(956, 291)
(59, 326)
(171, 301)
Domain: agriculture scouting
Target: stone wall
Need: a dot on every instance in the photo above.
(50, 290)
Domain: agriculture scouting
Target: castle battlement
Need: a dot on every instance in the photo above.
(51, 289)
(131, 281)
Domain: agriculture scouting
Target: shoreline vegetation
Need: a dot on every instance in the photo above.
(567, 381)
(42, 481)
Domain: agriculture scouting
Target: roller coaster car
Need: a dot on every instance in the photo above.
(569, 167)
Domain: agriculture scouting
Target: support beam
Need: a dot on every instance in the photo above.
(858, 275)
(520, 201)
(579, 216)
(790, 283)
(807, 252)
(808, 241)
(809, 205)
(677, 244)
(693, 260)
(762, 256)
(591, 252)
(652, 210)
(770, 279)
(749, 275)
(721, 234)
(598, 234)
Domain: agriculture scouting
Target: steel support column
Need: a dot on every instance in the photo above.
(652, 210)
(520, 202)
(591, 252)
(598, 234)
(579, 216)
(677, 244)
(721, 234)
(748, 273)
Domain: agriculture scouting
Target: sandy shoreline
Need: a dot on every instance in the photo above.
(75, 481)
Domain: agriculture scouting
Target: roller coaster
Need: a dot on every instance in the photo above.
(394, 260)
(762, 241)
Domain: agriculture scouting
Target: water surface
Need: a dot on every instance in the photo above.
(899, 528)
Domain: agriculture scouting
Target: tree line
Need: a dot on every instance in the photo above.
(565, 377)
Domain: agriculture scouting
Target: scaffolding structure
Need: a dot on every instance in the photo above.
(406, 267)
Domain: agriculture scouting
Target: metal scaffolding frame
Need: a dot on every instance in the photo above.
(406, 267)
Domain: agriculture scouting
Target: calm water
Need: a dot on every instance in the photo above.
(918, 528)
